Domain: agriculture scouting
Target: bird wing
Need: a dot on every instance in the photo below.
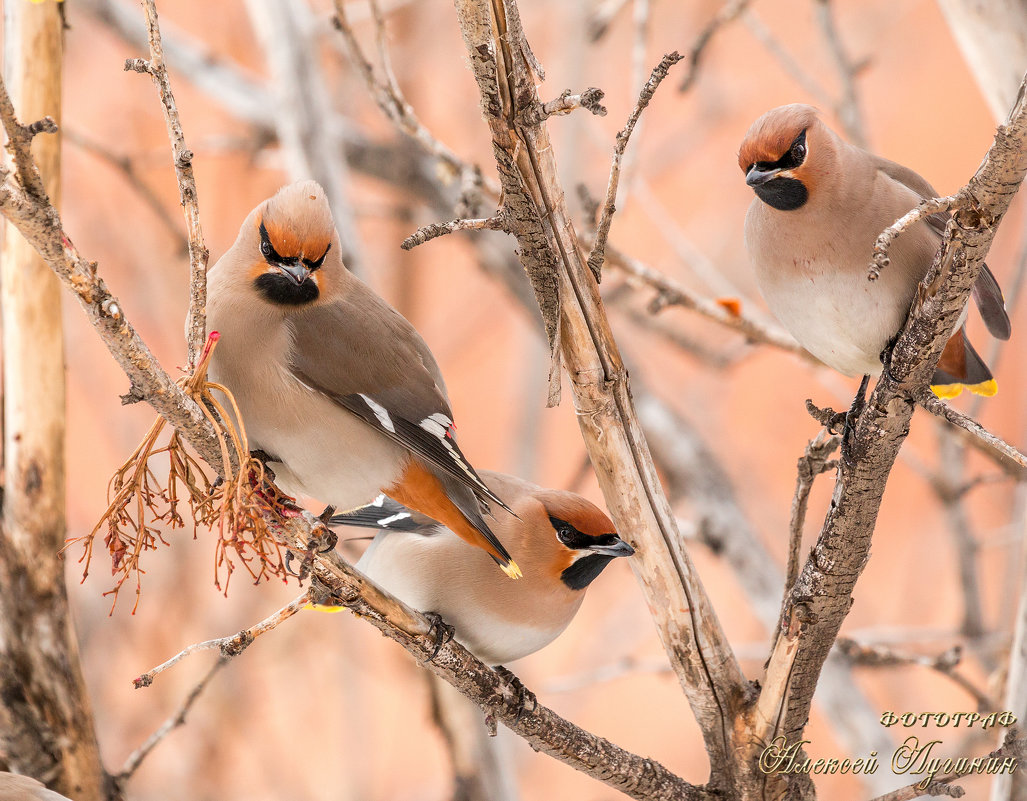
(382, 371)
(986, 292)
(388, 515)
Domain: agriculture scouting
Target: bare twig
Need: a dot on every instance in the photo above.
(951, 488)
(926, 208)
(598, 254)
(728, 13)
(567, 102)
(497, 222)
(673, 293)
(929, 401)
(196, 321)
(944, 663)
(389, 97)
(811, 464)
(136, 758)
(239, 92)
(230, 647)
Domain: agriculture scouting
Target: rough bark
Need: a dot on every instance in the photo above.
(46, 724)
(534, 203)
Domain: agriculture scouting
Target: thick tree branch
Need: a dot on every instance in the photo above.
(551, 255)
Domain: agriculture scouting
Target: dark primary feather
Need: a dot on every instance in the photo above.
(388, 515)
(986, 292)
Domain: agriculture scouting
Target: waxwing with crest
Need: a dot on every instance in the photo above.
(331, 382)
(820, 205)
(561, 541)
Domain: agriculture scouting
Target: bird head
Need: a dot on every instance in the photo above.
(296, 252)
(784, 154)
(583, 536)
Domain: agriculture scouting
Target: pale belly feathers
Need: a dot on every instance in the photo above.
(442, 574)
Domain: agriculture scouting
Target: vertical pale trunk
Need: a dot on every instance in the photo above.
(46, 727)
(992, 35)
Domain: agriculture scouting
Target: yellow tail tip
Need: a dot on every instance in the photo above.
(512, 570)
(327, 609)
(947, 391)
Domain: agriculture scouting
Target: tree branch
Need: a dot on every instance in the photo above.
(596, 257)
(550, 253)
(811, 464)
(1002, 450)
(196, 320)
(674, 293)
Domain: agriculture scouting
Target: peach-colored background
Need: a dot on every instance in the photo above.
(324, 709)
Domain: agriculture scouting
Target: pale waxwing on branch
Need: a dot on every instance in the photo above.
(561, 541)
(820, 205)
(332, 383)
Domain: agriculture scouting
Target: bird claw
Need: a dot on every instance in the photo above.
(523, 697)
(440, 630)
(850, 417)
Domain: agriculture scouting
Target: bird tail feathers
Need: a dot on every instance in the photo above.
(961, 367)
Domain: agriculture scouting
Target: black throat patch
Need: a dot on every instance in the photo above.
(784, 194)
(584, 571)
(283, 291)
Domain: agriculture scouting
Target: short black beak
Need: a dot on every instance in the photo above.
(617, 548)
(756, 177)
(298, 272)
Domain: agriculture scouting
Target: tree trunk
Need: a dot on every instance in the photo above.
(46, 725)
(992, 35)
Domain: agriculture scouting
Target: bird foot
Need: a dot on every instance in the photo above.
(440, 630)
(850, 417)
(523, 697)
(323, 543)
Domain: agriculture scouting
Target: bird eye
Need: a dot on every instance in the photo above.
(265, 247)
(799, 149)
(565, 533)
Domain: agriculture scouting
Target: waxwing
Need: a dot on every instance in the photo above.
(560, 540)
(820, 205)
(331, 382)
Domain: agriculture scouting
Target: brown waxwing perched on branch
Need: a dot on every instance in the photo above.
(821, 204)
(560, 540)
(333, 383)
